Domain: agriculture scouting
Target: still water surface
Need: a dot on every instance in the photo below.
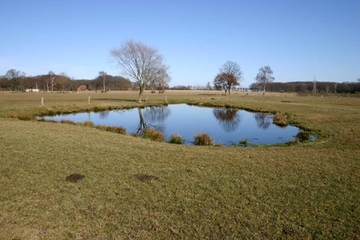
(226, 126)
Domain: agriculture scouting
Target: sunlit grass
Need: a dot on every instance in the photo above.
(136, 188)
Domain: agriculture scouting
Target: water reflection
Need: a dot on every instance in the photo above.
(226, 126)
(152, 117)
(229, 119)
(263, 120)
(156, 114)
(104, 115)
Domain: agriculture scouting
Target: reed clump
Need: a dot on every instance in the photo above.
(112, 129)
(87, 124)
(280, 119)
(154, 135)
(176, 139)
(203, 139)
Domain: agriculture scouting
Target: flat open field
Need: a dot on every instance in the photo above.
(139, 189)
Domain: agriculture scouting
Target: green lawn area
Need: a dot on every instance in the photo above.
(135, 188)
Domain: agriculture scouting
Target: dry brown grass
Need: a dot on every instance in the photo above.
(135, 188)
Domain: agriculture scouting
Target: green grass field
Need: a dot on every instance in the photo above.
(135, 188)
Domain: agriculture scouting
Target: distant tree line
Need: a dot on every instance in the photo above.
(15, 80)
(307, 87)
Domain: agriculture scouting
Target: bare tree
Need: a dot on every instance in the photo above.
(62, 82)
(230, 75)
(263, 120)
(52, 78)
(14, 77)
(264, 76)
(220, 82)
(102, 75)
(139, 62)
(229, 119)
(208, 86)
(163, 78)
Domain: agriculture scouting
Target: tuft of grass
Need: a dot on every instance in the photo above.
(67, 121)
(113, 129)
(303, 136)
(243, 142)
(154, 135)
(280, 119)
(176, 139)
(203, 139)
(87, 124)
(25, 117)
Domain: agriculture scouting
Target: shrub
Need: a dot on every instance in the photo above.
(176, 139)
(154, 135)
(203, 139)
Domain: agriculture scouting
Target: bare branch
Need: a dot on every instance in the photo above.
(264, 76)
(230, 75)
(139, 62)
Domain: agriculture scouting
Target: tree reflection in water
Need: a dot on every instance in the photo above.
(229, 119)
(155, 115)
(263, 120)
(104, 114)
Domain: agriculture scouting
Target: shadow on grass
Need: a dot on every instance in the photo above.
(145, 177)
(115, 99)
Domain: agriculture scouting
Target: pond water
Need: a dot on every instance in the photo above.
(225, 126)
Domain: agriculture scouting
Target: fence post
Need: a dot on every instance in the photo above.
(42, 101)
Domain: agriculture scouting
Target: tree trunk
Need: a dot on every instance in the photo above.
(140, 92)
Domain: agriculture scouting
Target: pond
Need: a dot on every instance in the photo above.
(225, 126)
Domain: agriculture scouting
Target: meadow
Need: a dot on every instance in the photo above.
(64, 181)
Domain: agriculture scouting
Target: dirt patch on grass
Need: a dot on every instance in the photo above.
(145, 177)
(74, 177)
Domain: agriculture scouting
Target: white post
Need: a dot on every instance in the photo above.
(42, 101)
(89, 99)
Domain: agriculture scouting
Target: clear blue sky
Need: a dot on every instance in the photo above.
(298, 39)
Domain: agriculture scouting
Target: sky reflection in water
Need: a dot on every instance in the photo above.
(226, 126)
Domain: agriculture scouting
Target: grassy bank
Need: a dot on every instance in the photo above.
(137, 188)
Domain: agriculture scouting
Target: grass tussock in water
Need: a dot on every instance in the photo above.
(176, 139)
(280, 119)
(153, 135)
(203, 139)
